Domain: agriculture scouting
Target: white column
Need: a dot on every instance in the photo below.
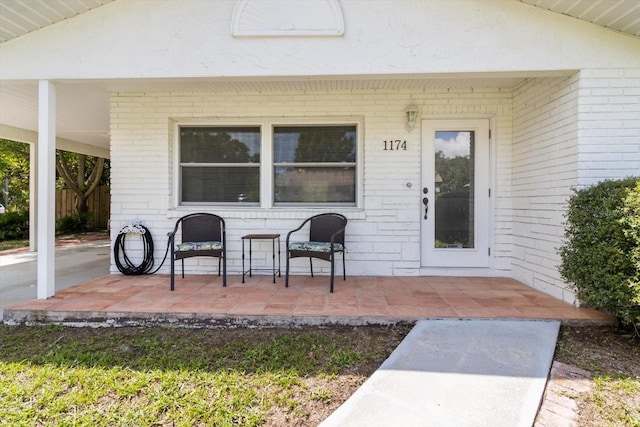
(46, 189)
(33, 199)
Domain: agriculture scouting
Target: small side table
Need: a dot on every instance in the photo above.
(273, 238)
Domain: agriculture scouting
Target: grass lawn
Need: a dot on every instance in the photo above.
(157, 376)
(184, 377)
(13, 244)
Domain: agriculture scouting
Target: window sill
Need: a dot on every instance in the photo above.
(287, 213)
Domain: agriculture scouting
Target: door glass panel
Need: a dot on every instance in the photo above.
(454, 189)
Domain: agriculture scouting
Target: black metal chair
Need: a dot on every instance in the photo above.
(326, 238)
(203, 234)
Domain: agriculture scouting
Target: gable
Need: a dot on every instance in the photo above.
(164, 39)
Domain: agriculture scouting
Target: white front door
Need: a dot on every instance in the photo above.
(455, 193)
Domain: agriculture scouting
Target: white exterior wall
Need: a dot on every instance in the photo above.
(383, 235)
(608, 125)
(549, 134)
(193, 39)
(568, 133)
(545, 163)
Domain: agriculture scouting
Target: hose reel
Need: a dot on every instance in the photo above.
(123, 262)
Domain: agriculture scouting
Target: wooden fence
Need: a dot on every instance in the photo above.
(99, 203)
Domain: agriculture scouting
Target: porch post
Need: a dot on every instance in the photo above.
(46, 189)
(33, 197)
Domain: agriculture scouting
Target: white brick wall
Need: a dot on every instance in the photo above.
(568, 133)
(549, 135)
(545, 156)
(383, 235)
(609, 124)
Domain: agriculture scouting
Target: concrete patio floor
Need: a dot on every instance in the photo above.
(200, 300)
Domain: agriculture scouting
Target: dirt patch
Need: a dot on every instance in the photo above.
(600, 350)
(602, 381)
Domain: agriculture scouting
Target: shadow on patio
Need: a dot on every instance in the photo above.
(200, 300)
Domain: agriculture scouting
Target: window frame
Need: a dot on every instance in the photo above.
(319, 165)
(181, 165)
(267, 166)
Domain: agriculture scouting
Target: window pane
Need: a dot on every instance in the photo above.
(316, 144)
(313, 185)
(219, 145)
(454, 184)
(221, 184)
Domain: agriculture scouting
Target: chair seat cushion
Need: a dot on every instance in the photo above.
(314, 246)
(198, 246)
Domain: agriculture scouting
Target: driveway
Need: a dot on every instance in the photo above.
(75, 264)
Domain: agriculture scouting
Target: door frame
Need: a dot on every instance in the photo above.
(452, 122)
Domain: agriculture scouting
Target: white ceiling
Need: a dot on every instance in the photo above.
(83, 107)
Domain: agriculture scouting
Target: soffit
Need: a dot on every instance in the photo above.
(19, 17)
(618, 15)
(83, 106)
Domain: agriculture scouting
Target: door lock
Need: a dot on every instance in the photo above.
(425, 202)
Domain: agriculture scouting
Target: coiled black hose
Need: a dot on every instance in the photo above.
(124, 263)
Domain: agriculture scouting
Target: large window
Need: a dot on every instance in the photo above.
(315, 164)
(220, 164)
(300, 165)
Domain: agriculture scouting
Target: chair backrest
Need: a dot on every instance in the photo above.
(323, 226)
(202, 227)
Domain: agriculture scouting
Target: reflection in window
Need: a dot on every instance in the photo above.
(220, 164)
(315, 164)
(454, 183)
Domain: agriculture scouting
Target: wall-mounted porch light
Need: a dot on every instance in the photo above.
(412, 113)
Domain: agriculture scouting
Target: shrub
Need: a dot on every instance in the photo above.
(14, 226)
(601, 252)
(78, 223)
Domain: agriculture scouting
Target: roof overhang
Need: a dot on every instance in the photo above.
(83, 105)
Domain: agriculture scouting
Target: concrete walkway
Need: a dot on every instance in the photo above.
(75, 264)
(457, 373)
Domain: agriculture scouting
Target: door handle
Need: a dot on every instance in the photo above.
(425, 202)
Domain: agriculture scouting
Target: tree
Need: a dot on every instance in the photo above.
(14, 175)
(81, 173)
(455, 172)
(326, 145)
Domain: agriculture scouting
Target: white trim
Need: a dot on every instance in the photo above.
(477, 256)
(284, 18)
(463, 272)
(46, 274)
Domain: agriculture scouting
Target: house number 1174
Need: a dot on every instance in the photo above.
(395, 144)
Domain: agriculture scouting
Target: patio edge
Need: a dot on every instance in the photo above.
(200, 320)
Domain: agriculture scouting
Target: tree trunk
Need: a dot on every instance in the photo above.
(81, 186)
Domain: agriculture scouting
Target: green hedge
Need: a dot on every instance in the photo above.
(78, 223)
(601, 252)
(14, 226)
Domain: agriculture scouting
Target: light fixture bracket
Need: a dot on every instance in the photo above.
(412, 113)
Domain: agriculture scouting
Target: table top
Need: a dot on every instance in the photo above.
(260, 236)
